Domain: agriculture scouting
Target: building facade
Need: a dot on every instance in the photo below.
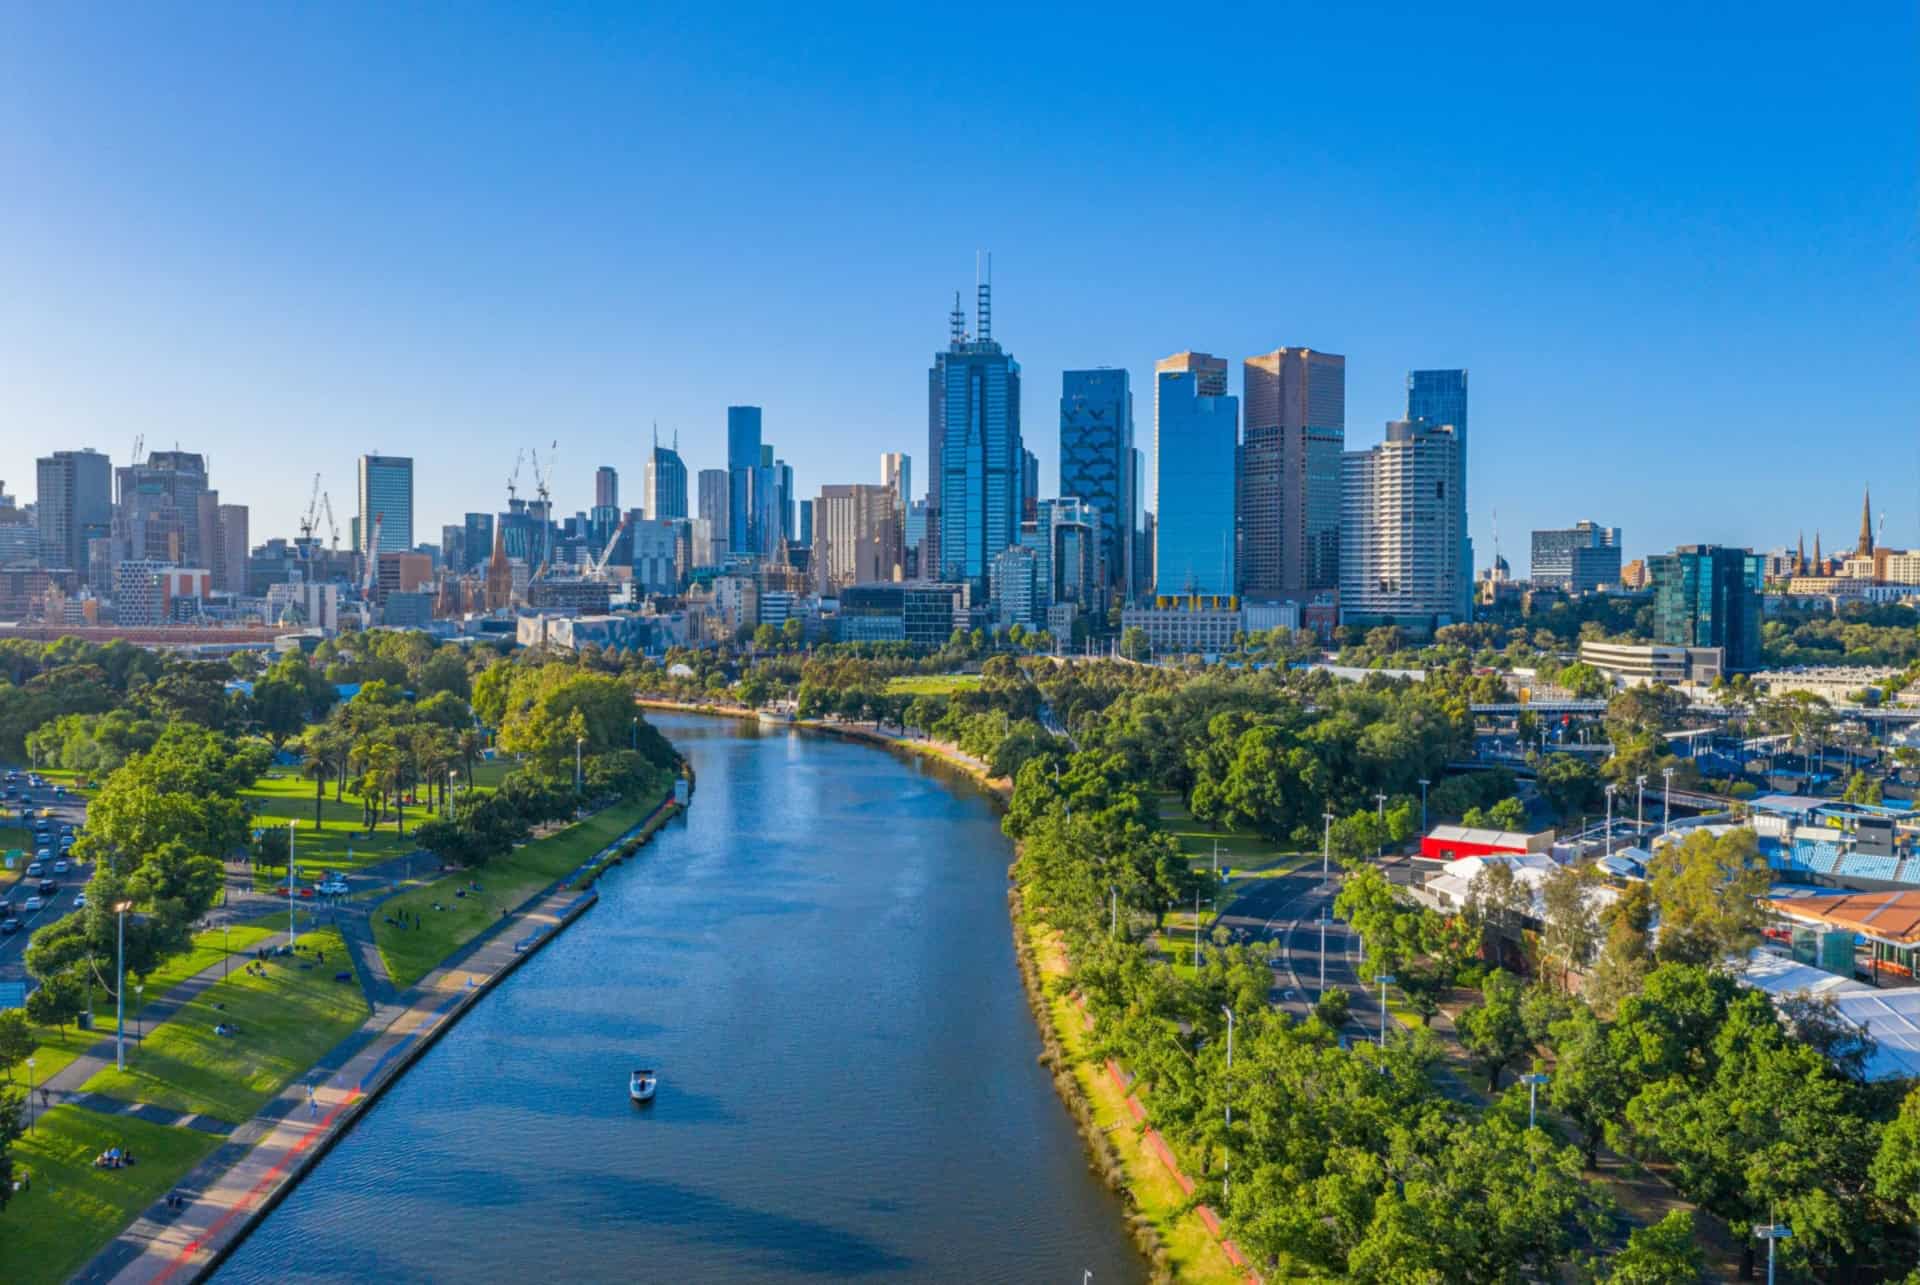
(606, 487)
(1400, 544)
(73, 506)
(1196, 455)
(1577, 559)
(157, 508)
(743, 463)
(977, 452)
(386, 492)
(1438, 399)
(1706, 595)
(1097, 463)
(856, 536)
(664, 482)
(1296, 430)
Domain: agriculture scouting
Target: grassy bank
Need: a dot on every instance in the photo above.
(449, 920)
(341, 840)
(287, 1020)
(933, 684)
(71, 1209)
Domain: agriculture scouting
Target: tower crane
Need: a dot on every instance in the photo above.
(598, 567)
(542, 475)
(333, 527)
(310, 520)
(513, 478)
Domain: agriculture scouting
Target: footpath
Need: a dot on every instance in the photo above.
(264, 1157)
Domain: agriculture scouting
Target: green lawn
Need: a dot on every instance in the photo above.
(933, 684)
(73, 1209)
(287, 1019)
(412, 953)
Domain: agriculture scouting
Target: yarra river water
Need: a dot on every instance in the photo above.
(817, 959)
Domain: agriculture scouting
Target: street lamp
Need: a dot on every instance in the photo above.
(1771, 1232)
(1666, 820)
(120, 909)
(139, 1001)
(1385, 979)
(1226, 1182)
(1326, 845)
(293, 929)
(30, 1065)
(1640, 807)
(1381, 850)
(636, 733)
(1424, 783)
(1609, 835)
(1533, 1083)
(578, 743)
(1113, 922)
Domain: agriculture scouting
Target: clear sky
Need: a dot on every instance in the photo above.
(1674, 243)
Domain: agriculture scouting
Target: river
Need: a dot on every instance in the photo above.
(817, 958)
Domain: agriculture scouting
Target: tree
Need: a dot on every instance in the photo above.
(1587, 1086)
(280, 708)
(9, 1134)
(1134, 645)
(1493, 1030)
(1896, 1166)
(1568, 782)
(1509, 814)
(1572, 930)
(1708, 890)
(1662, 1254)
(792, 631)
(1626, 952)
(16, 1040)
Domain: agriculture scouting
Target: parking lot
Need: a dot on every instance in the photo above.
(28, 803)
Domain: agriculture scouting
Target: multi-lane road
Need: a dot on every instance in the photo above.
(17, 886)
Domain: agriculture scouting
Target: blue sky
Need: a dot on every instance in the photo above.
(1674, 243)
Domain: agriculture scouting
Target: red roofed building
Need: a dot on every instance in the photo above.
(1452, 842)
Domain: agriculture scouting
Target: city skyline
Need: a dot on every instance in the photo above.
(224, 298)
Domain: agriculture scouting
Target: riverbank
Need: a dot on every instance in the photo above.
(261, 1161)
(1176, 1242)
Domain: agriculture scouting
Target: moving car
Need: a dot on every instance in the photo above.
(33, 868)
(9, 925)
(79, 901)
(61, 866)
(34, 903)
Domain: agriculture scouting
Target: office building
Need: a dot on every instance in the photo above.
(386, 492)
(606, 485)
(478, 545)
(1579, 559)
(1069, 547)
(743, 463)
(1705, 595)
(1182, 625)
(914, 538)
(806, 524)
(453, 549)
(1399, 535)
(922, 614)
(157, 508)
(1289, 491)
(714, 486)
(1437, 399)
(73, 504)
(896, 473)
(1015, 598)
(1196, 435)
(656, 555)
(19, 538)
(664, 482)
(856, 536)
(1097, 462)
(975, 499)
(223, 542)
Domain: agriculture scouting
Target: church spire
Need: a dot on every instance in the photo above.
(1865, 548)
(1819, 563)
(1800, 563)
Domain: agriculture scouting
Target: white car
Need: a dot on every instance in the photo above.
(33, 869)
(334, 888)
(80, 901)
(61, 866)
(34, 903)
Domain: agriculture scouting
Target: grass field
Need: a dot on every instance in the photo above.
(287, 1019)
(933, 684)
(72, 1209)
(412, 953)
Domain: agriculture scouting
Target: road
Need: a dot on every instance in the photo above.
(18, 887)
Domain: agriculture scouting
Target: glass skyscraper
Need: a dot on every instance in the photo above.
(479, 541)
(743, 459)
(74, 504)
(1196, 442)
(386, 491)
(1438, 398)
(1705, 595)
(979, 459)
(1096, 461)
(663, 483)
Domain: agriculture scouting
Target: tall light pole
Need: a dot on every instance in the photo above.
(139, 1002)
(1380, 851)
(1113, 919)
(1666, 820)
(1533, 1082)
(1324, 911)
(1196, 929)
(1424, 783)
(293, 928)
(1226, 1182)
(120, 909)
(636, 734)
(1326, 846)
(30, 1066)
(578, 743)
(1639, 807)
(1609, 835)
(1385, 979)
(1771, 1232)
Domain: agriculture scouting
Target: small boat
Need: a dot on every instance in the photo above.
(641, 1086)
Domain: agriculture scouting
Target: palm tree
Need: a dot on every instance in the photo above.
(469, 744)
(317, 770)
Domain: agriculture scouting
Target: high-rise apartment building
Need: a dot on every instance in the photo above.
(664, 482)
(714, 486)
(1578, 559)
(1705, 595)
(223, 543)
(743, 463)
(896, 473)
(606, 485)
(1439, 398)
(856, 535)
(386, 492)
(479, 542)
(1097, 462)
(157, 509)
(1296, 431)
(978, 459)
(1399, 535)
(73, 504)
(1196, 438)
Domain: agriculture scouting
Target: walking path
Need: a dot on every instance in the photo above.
(241, 1179)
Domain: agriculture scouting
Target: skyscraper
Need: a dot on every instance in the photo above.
(896, 473)
(386, 492)
(157, 506)
(664, 481)
(856, 535)
(478, 546)
(1096, 461)
(1435, 398)
(979, 459)
(1399, 539)
(1705, 595)
(73, 504)
(606, 485)
(1578, 559)
(714, 486)
(1290, 471)
(1196, 437)
(743, 460)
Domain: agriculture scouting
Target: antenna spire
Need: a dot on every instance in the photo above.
(983, 303)
(957, 322)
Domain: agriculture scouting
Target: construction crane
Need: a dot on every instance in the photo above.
(597, 569)
(310, 520)
(139, 448)
(513, 478)
(333, 527)
(542, 475)
(373, 558)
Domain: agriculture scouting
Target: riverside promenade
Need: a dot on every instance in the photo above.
(267, 1155)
